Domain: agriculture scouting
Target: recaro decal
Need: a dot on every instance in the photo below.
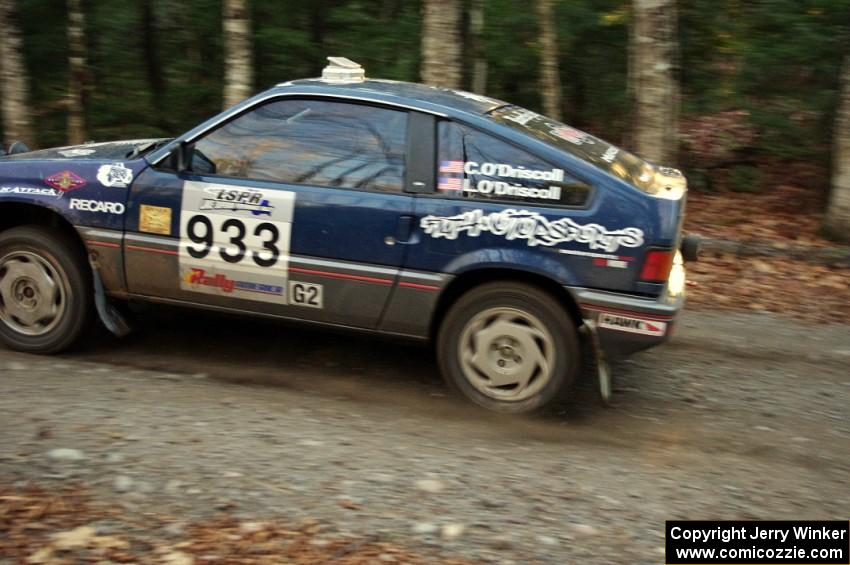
(234, 241)
(532, 227)
(85, 205)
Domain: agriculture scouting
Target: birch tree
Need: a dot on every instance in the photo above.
(838, 212)
(441, 43)
(653, 54)
(238, 64)
(550, 80)
(479, 60)
(76, 73)
(14, 79)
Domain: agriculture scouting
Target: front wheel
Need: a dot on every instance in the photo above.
(45, 291)
(509, 347)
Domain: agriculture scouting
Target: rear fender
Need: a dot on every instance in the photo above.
(542, 262)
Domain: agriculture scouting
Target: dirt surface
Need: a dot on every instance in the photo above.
(741, 416)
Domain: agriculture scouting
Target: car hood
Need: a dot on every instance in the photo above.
(108, 150)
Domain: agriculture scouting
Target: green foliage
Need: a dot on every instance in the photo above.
(745, 178)
(158, 71)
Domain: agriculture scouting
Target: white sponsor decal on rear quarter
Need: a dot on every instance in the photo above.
(532, 227)
(632, 325)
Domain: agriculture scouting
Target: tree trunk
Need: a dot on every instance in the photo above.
(441, 43)
(238, 68)
(479, 60)
(654, 51)
(76, 73)
(550, 79)
(14, 80)
(838, 213)
(153, 65)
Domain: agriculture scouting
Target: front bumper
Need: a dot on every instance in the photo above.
(628, 324)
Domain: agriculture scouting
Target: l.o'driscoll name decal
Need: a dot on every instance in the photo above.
(532, 227)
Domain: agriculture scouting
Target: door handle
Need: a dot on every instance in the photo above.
(404, 229)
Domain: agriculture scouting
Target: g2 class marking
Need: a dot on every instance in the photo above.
(305, 294)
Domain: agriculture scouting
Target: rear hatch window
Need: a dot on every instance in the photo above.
(657, 181)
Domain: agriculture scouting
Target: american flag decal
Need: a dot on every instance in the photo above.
(449, 184)
(451, 166)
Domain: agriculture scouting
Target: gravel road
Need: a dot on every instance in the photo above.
(741, 416)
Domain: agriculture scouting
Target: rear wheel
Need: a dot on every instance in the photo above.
(509, 347)
(45, 291)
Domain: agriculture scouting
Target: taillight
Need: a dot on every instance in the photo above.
(656, 266)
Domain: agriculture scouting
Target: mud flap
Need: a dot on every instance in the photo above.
(108, 313)
(603, 370)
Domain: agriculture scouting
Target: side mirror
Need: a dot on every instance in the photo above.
(178, 158)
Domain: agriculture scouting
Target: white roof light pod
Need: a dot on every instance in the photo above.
(342, 70)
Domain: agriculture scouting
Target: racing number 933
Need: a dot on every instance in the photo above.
(262, 239)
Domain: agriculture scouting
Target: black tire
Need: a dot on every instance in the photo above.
(515, 297)
(72, 276)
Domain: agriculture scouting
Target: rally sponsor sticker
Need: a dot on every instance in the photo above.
(115, 175)
(531, 227)
(632, 325)
(30, 190)
(155, 219)
(234, 241)
(65, 181)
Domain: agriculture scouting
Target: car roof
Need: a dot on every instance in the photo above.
(406, 93)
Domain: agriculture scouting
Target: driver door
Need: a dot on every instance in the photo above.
(290, 208)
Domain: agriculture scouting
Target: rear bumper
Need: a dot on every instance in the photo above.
(628, 324)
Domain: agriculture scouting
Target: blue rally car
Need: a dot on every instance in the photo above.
(507, 238)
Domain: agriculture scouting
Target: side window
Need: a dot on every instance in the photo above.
(477, 166)
(313, 142)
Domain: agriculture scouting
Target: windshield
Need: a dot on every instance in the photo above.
(602, 154)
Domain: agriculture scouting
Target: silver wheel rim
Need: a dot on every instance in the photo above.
(507, 354)
(32, 293)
